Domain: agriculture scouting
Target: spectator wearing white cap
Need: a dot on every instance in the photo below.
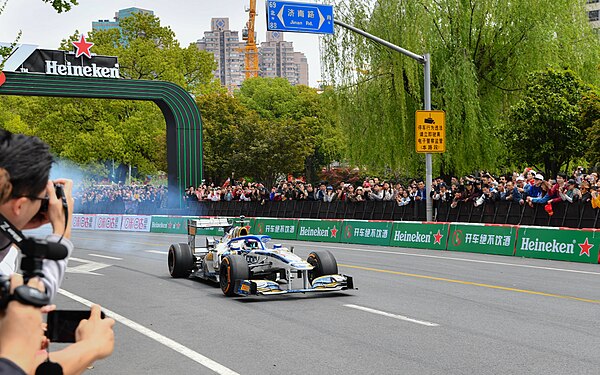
(535, 190)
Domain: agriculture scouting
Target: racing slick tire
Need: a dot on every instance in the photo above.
(233, 267)
(324, 263)
(181, 260)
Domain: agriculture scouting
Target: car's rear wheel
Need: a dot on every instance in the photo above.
(324, 263)
(181, 260)
(233, 267)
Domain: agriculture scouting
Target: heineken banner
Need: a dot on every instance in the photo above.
(573, 245)
(319, 230)
(284, 229)
(420, 235)
(482, 238)
(169, 224)
(366, 232)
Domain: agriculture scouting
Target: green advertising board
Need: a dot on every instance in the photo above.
(283, 229)
(418, 235)
(319, 230)
(169, 224)
(482, 238)
(366, 232)
(573, 245)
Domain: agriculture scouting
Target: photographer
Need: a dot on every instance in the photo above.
(32, 202)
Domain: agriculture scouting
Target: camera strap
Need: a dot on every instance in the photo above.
(10, 231)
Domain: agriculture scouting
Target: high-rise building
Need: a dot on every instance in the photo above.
(225, 45)
(123, 13)
(593, 9)
(276, 58)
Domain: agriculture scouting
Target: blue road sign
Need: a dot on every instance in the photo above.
(299, 17)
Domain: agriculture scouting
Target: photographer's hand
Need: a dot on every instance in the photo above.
(21, 329)
(95, 340)
(56, 212)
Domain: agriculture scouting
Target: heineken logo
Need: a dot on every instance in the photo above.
(2, 78)
(417, 237)
(54, 68)
(27, 58)
(83, 47)
(319, 232)
(554, 246)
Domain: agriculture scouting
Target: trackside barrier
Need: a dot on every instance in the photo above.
(419, 235)
(556, 243)
(283, 229)
(366, 232)
(169, 224)
(573, 245)
(319, 230)
(483, 238)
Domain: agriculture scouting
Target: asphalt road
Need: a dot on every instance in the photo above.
(415, 312)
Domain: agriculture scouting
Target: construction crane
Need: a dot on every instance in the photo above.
(250, 51)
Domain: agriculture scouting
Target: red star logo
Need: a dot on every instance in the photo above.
(2, 78)
(438, 237)
(83, 47)
(334, 232)
(260, 228)
(585, 248)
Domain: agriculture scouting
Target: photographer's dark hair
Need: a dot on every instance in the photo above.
(27, 160)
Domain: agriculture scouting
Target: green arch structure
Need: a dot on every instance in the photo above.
(184, 126)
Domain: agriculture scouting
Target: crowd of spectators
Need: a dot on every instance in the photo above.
(119, 198)
(526, 187)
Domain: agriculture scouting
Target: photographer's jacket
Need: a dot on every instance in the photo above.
(54, 270)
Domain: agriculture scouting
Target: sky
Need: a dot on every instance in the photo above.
(189, 19)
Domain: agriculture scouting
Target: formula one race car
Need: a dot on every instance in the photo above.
(245, 264)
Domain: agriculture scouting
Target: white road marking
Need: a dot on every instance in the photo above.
(104, 256)
(88, 267)
(389, 315)
(157, 252)
(171, 344)
(457, 259)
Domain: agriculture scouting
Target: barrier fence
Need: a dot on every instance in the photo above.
(566, 244)
(572, 215)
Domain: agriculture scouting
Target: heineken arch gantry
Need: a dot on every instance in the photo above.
(184, 126)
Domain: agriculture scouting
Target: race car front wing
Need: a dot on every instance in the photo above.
(326, 283)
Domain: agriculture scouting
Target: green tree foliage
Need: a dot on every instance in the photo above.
(94, 131)
(590, 115)
(269, 128)
(314, 115)
(481, 52)
(147, 50)
(546, 126)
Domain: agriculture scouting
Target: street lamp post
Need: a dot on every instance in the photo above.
(426, 61)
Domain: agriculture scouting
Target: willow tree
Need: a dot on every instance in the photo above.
(481, 52)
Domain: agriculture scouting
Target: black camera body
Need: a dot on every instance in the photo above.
(60, 194)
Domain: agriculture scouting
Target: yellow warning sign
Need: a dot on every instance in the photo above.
(430, 128)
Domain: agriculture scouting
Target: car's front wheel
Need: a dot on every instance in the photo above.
(181, 260)
(324, 263)
(233, 267)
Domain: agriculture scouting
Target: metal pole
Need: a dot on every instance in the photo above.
(403, 51)
(426, 61)
(428, 164)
